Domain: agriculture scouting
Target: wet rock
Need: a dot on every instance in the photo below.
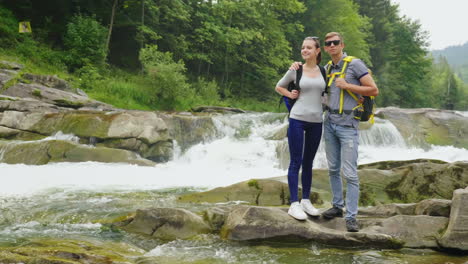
(249, 223)
(201, 127)
(456, 235)
(167, 223)
(67, 251)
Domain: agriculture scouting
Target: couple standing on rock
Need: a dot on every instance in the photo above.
(340, 125)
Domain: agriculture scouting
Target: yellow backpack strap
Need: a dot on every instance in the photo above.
(342, 74)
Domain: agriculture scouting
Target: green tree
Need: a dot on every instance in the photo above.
(170, 88)
(85, 41)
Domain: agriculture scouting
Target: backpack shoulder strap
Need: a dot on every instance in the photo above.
(298, 77)
(323, 72)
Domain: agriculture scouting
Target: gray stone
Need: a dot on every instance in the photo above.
(51, 81)
(416, 231)
(434, 207)
(248, 223)
(10, 65)
(388, 210)
(456, 235)
(167, 223)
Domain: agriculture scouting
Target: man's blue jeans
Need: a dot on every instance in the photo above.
(304, 139)
(341, 145)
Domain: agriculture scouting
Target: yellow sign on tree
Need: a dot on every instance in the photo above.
(24, 27)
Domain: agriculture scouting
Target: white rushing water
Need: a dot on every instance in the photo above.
(242, 152)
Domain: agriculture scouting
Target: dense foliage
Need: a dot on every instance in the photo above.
(176, 54)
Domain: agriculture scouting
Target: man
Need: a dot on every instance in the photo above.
(341, 129)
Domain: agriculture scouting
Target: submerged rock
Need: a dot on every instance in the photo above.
(166, 223)
(68, 251)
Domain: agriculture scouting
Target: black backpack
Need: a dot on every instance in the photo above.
(295, 86)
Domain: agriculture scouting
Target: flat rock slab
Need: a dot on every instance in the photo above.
(420, 231)
(249, 223)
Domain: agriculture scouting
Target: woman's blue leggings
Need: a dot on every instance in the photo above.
(304, 139)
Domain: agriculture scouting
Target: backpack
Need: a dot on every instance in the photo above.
(295, 86)
(365, 109)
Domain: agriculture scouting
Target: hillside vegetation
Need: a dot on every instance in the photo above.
(178, 54)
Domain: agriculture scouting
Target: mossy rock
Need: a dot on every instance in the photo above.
(43, 152)
(82, 124)
(67, 251)
(14, 134)
(68, 103)
(255, 192)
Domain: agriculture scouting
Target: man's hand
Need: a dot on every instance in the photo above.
(295, 66)
(341, 83)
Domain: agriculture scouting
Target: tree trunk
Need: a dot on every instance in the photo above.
(110, 26)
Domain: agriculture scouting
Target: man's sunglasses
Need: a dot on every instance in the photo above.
(335, 42)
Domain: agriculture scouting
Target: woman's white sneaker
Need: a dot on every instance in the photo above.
(309, 208)
(295, 210)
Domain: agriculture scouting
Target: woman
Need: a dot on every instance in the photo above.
(305, 126)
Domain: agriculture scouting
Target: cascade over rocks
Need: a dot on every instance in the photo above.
(428, 126)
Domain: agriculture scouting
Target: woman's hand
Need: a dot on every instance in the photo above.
(295, 66)
(294, 94)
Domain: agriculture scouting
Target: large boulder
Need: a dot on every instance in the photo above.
(420, 181)
(43, 152)
(190, 129)
(249, 223)
(141, 132)
(166, 223)
(456, 235)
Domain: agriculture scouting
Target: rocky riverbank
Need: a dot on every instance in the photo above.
(433, 223)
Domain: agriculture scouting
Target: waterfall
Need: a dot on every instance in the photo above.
(246, 146)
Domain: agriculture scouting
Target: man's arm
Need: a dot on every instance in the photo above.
(367, 87)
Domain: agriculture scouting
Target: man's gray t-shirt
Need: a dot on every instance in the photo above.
(308, 106)
(356, 69)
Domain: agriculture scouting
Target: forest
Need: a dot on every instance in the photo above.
(178, 54)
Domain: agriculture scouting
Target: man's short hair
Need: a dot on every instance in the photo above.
(332, 34)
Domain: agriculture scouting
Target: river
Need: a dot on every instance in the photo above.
(70, 201)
